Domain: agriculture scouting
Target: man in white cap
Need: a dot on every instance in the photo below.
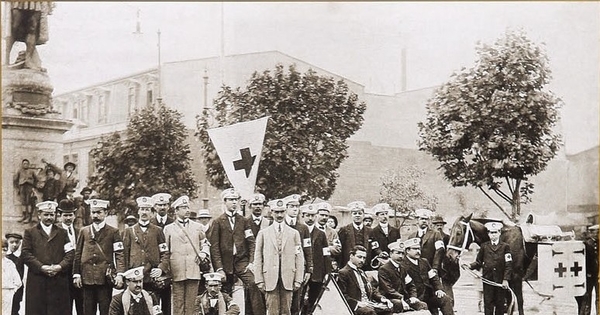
(146, 246)
(204, 218)
(188, 247)
(48, 254)
(383, 233)
(323, 212)
(279, 261)
(134, 300)
(355, 233)
(432, 242)
(495, 258)
(161, 206)
(213, 301)
(99, 247)
(395, 283)
(232, 249)
(257, 219)
(427, 282)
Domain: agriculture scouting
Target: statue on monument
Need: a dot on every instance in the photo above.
(28, 23)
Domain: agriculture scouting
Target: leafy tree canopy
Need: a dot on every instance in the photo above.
(305, 142)
(151, 157)
(491, 126)
(402, 190)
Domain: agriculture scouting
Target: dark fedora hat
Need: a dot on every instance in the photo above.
(70, 163)
(438, 219)
(86, 189)
(66, 206)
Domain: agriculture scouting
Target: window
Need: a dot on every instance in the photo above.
(102, 108)
(132, 99)
(85, 108)
(75, 110)
(91, 164)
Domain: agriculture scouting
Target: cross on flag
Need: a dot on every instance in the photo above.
(561, 271)
(239, 147)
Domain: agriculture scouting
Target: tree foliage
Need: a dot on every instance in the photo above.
(151, 156)
(491, 126)
(305, 141)
(402, 190)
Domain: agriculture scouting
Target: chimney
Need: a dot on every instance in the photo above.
(403, 70)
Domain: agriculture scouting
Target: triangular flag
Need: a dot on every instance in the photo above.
(239, 147)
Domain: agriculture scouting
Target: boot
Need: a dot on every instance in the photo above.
(24, 218)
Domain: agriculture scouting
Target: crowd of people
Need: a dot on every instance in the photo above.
(168, 259)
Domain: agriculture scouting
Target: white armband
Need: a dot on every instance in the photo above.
(68, 247)
(431, 273)
(248, 233)
(507, 257)
(162, 247)
(117, 246)
(306, 242)
(326, 251)
(439, 244)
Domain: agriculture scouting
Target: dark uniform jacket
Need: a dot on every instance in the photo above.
(320, 254)
(154, 221)
(90, 262)
(380, 241)
(148, 249)
(224, 305)
(432, 247)
(348, 240)
(496, 261)
(44, 294)
(83, 215)
(349, 286)
(264, 222)
(121, 304)
(222, 239)
(425, 278)
(306, 245)
(393, 282)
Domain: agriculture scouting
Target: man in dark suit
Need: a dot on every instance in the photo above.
(83, 216)
(355, 233)
(395, 283)
(14, 241)
(134, 300)
(213, 301)
(257, 220)
(98, 245)
(321, 256)
(161, 206)
(427, 282)
(449, 270)
(432, 243)
(585, 302)
(48, 254)
(144, 245)
(66, 209)
(232, 250)
(383, 233)
(362, 298)
(333, 240)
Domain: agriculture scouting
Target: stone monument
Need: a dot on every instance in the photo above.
(31, 128)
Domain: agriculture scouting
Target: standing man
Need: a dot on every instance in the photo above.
(51, 187)
(14, 241)
(355, 233)
(68, 179)
(134, 300)
(494, 256)
(213, 301)
(395, 283)
(333, 240)
(204, 218)
(161, 206)
(24, 182)
(584, 303)
(279, 261)
(449, 271)
(321, 259)
(232, 250)
(362, 298)
(427, 282)
(66, 209)
(257, 220)
(188, 246)
(48, 254)
(145, 246)
(99, 247)
(432, 243)
(383, 233)
(84, 217)
(292, 204)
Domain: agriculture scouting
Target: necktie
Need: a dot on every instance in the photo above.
(231, 220)
(322, 228)
(70, 230)
(182, 222)
(257, 221)
(136, 297)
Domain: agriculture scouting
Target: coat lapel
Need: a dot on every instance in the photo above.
(126, 301)
(53, 233)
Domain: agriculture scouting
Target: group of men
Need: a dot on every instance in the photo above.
(166, 263)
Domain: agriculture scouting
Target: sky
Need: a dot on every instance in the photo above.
(95, 42)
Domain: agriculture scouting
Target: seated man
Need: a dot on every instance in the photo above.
(427, 282)
(358, 292)
(213, 301)
(133, 300)
(396, 285)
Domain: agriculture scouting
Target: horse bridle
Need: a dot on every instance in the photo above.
(468, 232)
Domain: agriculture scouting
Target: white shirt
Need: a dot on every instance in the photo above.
(290, 221)
(99, 226)
(47, 229)
(414, 261)
(161, 220)
(357, 227)
(421, 232)
(255, 219)
(71, 235)
(384, 228)
(310, 228)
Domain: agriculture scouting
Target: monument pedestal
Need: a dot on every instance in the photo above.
(31, 130)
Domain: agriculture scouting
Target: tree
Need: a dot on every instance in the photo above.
(305, 141)
(151, 157)
(401, 189)
(490, 126)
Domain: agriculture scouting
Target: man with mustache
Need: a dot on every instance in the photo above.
(134, 300)
(213, 301)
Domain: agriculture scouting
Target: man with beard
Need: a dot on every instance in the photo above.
(427, 282)
(67, 210)
(161, 206)
(99, 247)
(383, 233)
(134, 300)
(449, 271)
(145, 246)
(432, 243)
(355, 233)
(232, 250)
(213, 301)
(257, 220)
(362, 298)
(48, 253)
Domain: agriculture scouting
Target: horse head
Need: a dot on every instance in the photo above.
(461, 237)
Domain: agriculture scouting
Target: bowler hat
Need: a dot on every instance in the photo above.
(66, 206)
